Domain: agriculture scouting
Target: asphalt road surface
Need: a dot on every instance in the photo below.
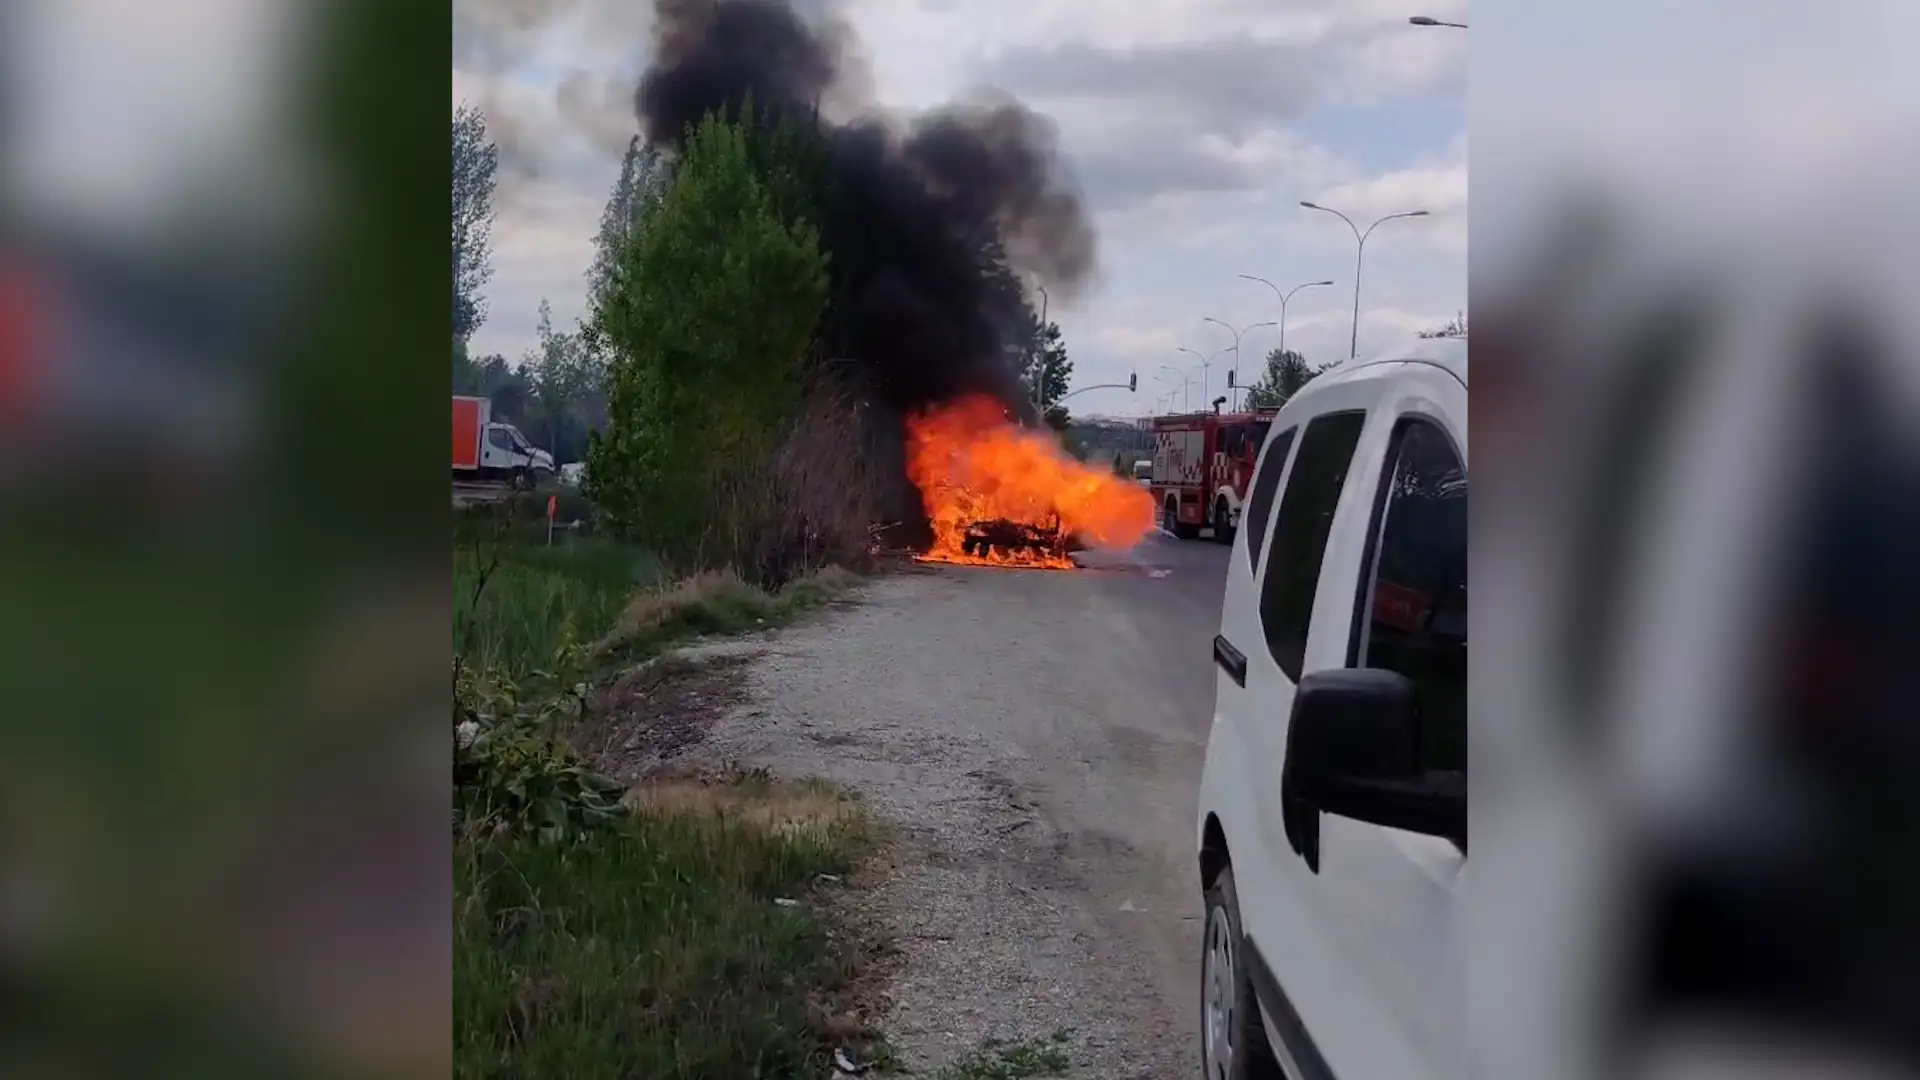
(1038, 736)
(1173, 588)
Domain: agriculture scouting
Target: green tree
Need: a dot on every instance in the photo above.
(642, 180)
(716, 298)
(476, 164)
(465, 375)
(502, 383)
(559, 373)
(1285, 373)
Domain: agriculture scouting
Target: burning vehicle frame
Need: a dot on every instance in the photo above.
(1002, 536)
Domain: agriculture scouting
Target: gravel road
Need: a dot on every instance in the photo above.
(1037, 737)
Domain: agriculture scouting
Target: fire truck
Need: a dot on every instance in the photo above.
(1202, 465)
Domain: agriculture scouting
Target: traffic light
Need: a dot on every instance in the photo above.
(1133, 382)
(1230, 385)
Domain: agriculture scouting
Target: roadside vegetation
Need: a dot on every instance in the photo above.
(656, 946)
(667, 929)
(601, 931)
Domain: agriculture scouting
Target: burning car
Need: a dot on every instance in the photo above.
(996, 493)
(1002, 536)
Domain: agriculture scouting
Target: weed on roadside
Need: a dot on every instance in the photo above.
(1011, 1061)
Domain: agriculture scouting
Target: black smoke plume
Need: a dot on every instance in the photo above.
(930, 231)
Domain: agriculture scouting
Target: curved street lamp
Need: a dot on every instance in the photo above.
(1360, 238)
(1206, 362)
(1237, 334)
(1284, 297)
(1185, 381)
(1422, 20)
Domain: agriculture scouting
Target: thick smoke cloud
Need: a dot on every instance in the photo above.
(932, 229)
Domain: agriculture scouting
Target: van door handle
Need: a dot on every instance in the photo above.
(1230, 660)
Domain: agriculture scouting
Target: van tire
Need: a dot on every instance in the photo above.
(1225, 985)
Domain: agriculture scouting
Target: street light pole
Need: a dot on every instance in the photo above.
(1360, 251)
(1239, 389)
(1038, 370)
(1284, 297)
(1185, 379)
(1205, 363)
(1206, 391)
(1237, 335)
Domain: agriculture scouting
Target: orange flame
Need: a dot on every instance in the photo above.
(972, 464)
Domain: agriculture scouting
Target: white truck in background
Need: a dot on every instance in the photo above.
(488, 450)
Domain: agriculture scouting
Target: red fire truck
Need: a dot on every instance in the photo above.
(1202, 464)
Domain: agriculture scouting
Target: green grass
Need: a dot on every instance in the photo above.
(616, 597)
(518, 620)
(652, 950)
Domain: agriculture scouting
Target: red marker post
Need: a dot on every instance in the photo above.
(553, 506)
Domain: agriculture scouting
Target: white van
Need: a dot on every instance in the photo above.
(1333, 807)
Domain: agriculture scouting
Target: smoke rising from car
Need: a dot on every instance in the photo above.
(938, 230)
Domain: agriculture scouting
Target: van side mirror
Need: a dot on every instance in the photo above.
(1353, 749)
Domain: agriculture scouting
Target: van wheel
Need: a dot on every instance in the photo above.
(1222, 518)
(1233, 1041)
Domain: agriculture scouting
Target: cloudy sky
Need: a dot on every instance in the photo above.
(1195, 127)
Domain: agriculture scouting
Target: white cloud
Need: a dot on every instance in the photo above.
(1439, 188)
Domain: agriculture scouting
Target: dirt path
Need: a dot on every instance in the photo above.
(1020, 730)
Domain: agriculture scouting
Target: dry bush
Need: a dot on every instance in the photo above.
(653, 609)
(836, 473)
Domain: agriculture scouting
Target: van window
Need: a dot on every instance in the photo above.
(1260, 497)
(1413, 613)
(500, 439)
(1300, 535)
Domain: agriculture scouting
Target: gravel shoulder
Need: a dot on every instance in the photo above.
(1019, 731)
